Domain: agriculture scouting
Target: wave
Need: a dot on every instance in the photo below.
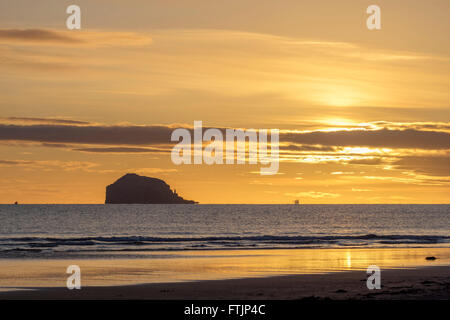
(218, 240)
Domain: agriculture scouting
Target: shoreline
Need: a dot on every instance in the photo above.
(421, 283)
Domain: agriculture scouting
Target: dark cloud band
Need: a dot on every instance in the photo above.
(36, 35)
(160, 135)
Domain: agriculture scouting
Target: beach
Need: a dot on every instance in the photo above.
(238, 275)
(429, 283)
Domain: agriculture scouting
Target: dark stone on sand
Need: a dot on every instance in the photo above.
(135, 189)
(430, 258)
(341, 291)
(314, 298)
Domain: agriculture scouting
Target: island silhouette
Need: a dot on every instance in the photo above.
(135, 189)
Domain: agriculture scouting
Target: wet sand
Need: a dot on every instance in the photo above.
(421, 283)
(237, 274)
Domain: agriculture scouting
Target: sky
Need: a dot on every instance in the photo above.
(364, 115)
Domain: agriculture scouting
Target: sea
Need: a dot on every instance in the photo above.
(68, 231)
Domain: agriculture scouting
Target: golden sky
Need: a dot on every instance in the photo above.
(364, 116)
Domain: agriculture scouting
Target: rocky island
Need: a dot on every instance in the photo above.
(135, 189)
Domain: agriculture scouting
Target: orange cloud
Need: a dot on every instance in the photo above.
(45, 37)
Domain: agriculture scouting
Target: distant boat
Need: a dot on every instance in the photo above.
(296, 202)
(16, 203)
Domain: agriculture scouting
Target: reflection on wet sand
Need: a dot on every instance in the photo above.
(209, 265)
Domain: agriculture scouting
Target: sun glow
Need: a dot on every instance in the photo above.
(340, 96)
(365, 150)
(339, 122)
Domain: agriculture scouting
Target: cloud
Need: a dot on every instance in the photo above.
(98, 134)
(367, 161)
(15, 162)
(67, 38)
(441, 126)
(43, 120)
(343, 173)
(313, 194)
(36, 35)
(429, 165)
(160, 134)
(84, 148)
(57, 145)
(384, 138)
(151, 170)
(412, 178)
(49, 165)
(307, 148)
(221, 62)
(122, 150)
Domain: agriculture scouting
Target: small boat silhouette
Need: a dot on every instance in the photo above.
(16, 203)
(296, 202)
